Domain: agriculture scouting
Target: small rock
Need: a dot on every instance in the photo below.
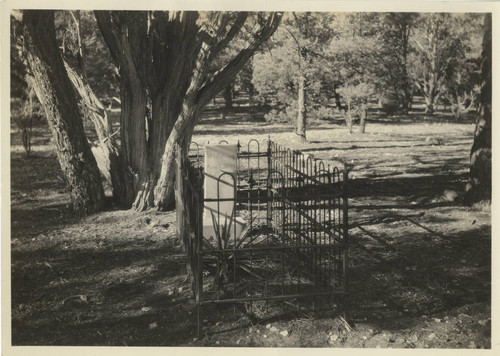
(450, 195)
(153, 325)
(334, 338)
(145, 309)
(268, 326)
(437, 320)
(284, 333)
(265, 336)
(431, 336)
(180, 289)
(273, 329)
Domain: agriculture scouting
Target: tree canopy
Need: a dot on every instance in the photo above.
(163, 67)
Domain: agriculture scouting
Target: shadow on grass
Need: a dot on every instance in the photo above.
(127, 287)
(428, 274)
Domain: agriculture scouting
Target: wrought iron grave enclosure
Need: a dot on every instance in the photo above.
(293, 248)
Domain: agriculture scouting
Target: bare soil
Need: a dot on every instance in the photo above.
(420, 261)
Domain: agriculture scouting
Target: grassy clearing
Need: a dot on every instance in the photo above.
(420, 260)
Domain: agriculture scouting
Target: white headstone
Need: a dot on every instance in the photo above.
(220, 176)
(220, 183)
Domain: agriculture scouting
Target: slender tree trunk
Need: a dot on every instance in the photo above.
(479, 185)
(228, 96)
(56, 94)
(348, 117)
(362, 122)
(338, 103)
(406, 83)
(429, 104)
(301, 111)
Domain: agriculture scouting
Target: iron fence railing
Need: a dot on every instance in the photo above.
(294, 240)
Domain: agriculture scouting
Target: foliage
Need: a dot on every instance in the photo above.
(356, 98)
(439, 45)
(25, 107)
(84, 49)
(295, 50)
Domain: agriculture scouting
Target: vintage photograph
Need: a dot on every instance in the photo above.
(250, 179)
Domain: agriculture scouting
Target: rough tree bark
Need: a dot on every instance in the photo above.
(199, 93)
(106, 151)
(56, 94)
(166, 81)
(479, 185)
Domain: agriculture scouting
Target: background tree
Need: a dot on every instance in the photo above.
(479, 185)
(462, 85)
(81, 44)
(25, 107)
(244, 81)
(54, 91)
(356, 98)
(292, 72)
(354, 54)
(164, 60)
(395, 31)
(437, 44)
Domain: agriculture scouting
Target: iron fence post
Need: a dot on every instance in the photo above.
(346, 243)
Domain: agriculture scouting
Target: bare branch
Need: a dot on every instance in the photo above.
(226, 74)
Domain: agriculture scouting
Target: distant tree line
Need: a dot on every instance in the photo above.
(162, 68)
(316, 62)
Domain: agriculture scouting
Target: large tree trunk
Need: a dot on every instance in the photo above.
(56, 94)
(151, 92)
(479, 185)
(106, 151)
(301, 111)
(165, 82)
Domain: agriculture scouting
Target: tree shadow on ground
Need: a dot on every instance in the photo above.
(403, 264)
(121, 292)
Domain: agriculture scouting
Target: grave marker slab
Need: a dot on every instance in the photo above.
(220, 180)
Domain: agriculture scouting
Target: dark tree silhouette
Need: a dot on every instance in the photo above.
(479, 185)
(55, 92)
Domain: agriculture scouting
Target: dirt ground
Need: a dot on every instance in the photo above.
(420, 261)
